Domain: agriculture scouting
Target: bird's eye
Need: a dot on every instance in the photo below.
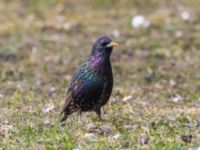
(104, 44)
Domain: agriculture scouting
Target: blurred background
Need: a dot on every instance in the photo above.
(156, 70)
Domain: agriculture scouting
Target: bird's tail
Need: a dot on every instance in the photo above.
(65, 113)
(67, 109)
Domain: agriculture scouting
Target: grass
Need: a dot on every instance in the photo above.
(155, 101)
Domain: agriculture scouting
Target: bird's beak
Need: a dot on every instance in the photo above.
(112, 44)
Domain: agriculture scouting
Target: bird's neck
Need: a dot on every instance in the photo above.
(100, 63)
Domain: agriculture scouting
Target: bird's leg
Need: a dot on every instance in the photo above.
(80, 120)
(98, 112)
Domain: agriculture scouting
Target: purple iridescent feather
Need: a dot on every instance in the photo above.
(92, 83)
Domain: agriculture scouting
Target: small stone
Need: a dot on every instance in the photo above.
(176, 98)
(144, 139)
(46, 120)
(67, 26)
(117, 136)
(198, 148)
(172, 83)
(187, 138)
(48, 108)
(185, 15)
(89, 135)
(198, 124)
(158, 86)
(127, 98)
(139, 21)
(1, 95)
(125, 145)
(99, 130)
(153, 125)
(51, 90)
(149, 77)
(114, 100)
(128, 127)
(7, 127)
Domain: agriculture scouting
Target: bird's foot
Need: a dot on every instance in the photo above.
(98, 112)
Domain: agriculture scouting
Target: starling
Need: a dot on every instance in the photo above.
(92, 83)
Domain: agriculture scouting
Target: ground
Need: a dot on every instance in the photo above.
(155, 100)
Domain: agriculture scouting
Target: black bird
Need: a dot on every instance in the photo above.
(92, 83)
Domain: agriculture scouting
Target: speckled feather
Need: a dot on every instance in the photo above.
(92, 83)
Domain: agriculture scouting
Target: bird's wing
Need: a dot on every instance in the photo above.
(76, 85)
(74, 89)
(68, 99)
(85, 87)
(83, 92)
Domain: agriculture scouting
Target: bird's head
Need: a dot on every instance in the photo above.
(103, 47)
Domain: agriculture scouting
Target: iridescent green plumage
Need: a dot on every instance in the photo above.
(92, 83)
